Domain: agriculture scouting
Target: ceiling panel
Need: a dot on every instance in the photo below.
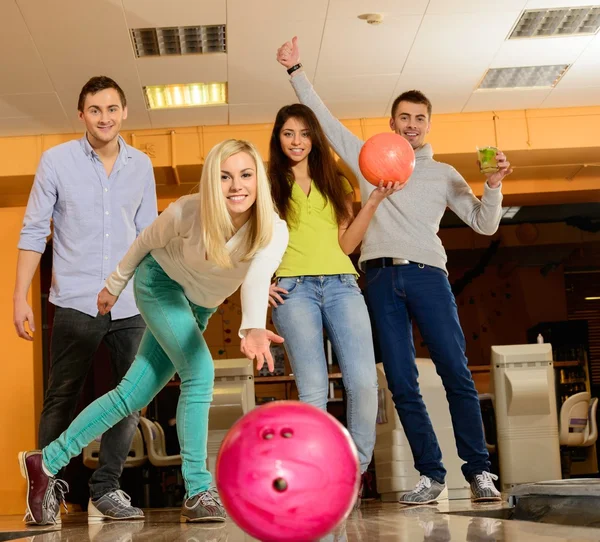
(45, 105)
(354, 8)
(74, 51)
(482, 7)
(457, 43)
(190, 116)
(580, 76)
(548, 4)
(367, 88)
(254, 73)
(447, 92)
(162, 70)
(573, 97)
(21, 66)
(493, 100)
(157, 13)
(540, 52)
(353, 47)
(353, 110)
(21, 126)
(255, 113)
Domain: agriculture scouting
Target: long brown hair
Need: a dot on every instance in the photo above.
(321, 165)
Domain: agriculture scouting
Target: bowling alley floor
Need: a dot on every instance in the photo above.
(375, 522)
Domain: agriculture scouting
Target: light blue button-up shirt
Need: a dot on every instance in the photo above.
(95, 220)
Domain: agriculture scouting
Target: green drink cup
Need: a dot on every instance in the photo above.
(487, 159)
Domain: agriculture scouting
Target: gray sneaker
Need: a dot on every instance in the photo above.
(483, 488)
(205, 506)
(114, 505)
(426, 491)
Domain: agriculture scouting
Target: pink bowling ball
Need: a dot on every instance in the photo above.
(287, 472)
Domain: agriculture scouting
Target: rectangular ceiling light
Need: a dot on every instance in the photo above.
(523, 77)
(193, 95)
(179, 40)
(539, 23)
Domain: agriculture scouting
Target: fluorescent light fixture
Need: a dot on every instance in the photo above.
(179, 40)
(592, 298)
(192, 95)
(538, 23)
(523, 77)
(510, 212)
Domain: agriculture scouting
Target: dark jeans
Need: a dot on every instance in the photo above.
(395, 296)
(76, 337)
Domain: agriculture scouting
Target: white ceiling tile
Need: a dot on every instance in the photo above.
(31, 105)
(255, 113)
(591, 55)
(549, 4)
(24, 126)
(352, 47)
(163, 70)
(580, 76)
(447, 93)
(458, 43)
(573, 97)
(354, 8)
(157, 13)
(469, 6)
(74, 51)
(354, 110)
(20, 63)
(189, 116)
(497, 100)
(540, 51)
(254, 73)
(368, 88)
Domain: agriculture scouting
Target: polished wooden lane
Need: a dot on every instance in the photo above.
(375, 522)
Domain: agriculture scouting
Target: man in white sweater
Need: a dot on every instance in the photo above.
(405, 264)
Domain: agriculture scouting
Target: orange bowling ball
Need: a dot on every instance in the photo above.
(386, 157)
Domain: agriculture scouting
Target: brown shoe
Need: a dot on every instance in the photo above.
(44, 493)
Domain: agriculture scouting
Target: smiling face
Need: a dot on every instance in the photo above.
(411, 121)
(103, 113)
(238, 183)
(295, 140)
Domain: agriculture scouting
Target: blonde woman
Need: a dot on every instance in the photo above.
(199, 251)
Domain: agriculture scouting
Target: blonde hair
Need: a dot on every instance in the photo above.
(217, 226)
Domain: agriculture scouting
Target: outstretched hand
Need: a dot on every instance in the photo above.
(256, 344)
(288, 54)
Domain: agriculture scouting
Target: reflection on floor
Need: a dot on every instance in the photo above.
(375, 522)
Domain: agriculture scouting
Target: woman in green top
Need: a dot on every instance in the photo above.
(316, 281)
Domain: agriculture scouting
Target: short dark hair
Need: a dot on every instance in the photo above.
(96, 84)
(413, 97)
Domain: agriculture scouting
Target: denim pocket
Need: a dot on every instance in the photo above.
(350, 282)
(374, 275)
(289, 284)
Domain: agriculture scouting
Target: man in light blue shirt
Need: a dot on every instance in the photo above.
(100, 194)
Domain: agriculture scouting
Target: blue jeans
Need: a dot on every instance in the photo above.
(396, 295)
(173, 342)
(336, 303)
